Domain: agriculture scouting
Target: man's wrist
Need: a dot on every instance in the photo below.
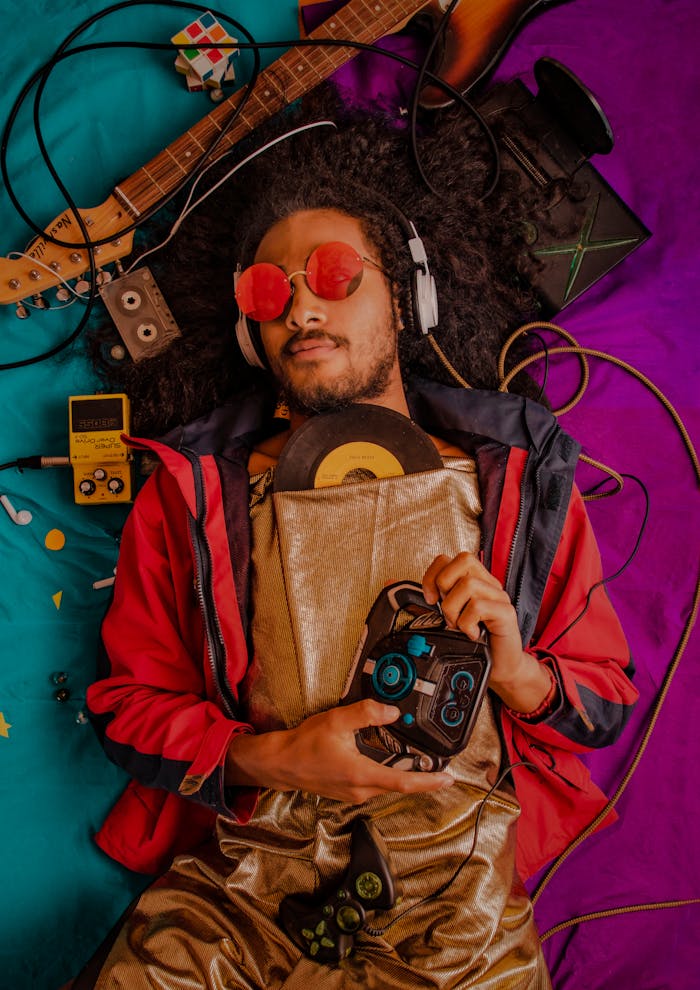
(533, 687)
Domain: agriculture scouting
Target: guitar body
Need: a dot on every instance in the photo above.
(478, 33)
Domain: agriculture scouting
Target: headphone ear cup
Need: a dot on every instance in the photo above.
(425, 301)
(249, 342)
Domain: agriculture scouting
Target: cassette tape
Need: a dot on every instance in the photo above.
(140, 313)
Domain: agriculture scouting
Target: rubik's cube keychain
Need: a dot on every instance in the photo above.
(205, 68)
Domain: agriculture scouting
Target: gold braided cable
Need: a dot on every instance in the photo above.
(614, 912)
(505, 380)
(622, 786)
(617, 478)
(446, 362)
(583, 352)
(591, 352)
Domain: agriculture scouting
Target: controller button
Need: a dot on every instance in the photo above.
(328, 910)
(407, 719)
(393, 676)
(463, 683)
(418, 646)
(368, 886)
(348, 918)
(308, 934)
(451, 715)
(321, 928)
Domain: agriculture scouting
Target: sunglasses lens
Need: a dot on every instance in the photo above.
(262, 292)
(334, 270)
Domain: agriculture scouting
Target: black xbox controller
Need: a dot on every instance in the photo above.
(324, 929)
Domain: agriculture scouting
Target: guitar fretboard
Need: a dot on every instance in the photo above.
(296, 72)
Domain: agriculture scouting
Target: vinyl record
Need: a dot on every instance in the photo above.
(360, 443)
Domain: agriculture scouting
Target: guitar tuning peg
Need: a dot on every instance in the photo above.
(62, 294)
(22, 313)
(103, 277)
(40, 302)
(82, 285)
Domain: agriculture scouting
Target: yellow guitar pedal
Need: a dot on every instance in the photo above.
(101, 461)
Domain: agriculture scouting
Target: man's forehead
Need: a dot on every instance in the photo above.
(294, 237)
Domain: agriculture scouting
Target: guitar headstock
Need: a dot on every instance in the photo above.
(45, 264)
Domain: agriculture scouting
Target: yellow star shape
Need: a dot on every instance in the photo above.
(4, 726)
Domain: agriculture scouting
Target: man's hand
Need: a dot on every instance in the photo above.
(469, 595)
(320, 755)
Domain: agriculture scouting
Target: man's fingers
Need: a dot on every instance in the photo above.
(431, 592)
(471, 602)
(369, 712)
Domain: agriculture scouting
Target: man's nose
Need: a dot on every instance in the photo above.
(305, 308)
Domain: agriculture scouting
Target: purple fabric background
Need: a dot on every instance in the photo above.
(639, 57)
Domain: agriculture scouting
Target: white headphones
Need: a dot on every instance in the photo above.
(424, 302)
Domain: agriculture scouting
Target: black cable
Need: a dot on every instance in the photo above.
(415, 100)
(619, 571)
(448, 883)
(157, 46)
(41, 76)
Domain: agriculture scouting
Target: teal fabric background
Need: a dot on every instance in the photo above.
(103, 115)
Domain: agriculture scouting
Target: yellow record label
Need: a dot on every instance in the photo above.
(358, 460)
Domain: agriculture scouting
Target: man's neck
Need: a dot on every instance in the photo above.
(266, 453)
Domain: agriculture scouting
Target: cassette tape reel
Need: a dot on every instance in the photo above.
(140, 313)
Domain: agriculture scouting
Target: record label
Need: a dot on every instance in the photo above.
(356, 461)
(361, 443)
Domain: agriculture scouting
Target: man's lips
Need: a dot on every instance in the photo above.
(310, 346)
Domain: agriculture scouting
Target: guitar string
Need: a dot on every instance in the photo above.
(61, 54)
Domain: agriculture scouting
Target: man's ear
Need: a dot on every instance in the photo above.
(396, 307)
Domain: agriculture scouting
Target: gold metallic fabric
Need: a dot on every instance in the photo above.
(320, 558)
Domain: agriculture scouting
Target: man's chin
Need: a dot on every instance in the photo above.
(309, 402)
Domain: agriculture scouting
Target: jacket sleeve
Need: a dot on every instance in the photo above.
(579, 636)
(154, 703)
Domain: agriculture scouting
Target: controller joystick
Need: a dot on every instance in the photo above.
(324, 929)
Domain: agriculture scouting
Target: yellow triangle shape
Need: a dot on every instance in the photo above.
(56, 599)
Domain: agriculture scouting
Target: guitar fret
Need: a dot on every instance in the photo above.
(168, 151)
(155, 163)
(296, 72)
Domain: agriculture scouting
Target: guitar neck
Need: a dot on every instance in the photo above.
(296, 72)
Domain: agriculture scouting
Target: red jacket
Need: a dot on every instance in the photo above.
(176, 634)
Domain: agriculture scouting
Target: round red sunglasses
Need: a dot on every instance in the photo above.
(333, 271)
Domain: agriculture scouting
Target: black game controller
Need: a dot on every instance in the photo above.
(324, 929)
(437, 677)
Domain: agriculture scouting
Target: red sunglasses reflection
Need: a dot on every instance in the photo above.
(333, 271)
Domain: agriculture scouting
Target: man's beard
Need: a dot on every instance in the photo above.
(310, 397)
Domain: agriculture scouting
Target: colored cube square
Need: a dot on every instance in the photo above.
(204, 66)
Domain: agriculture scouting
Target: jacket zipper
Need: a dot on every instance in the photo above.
(528, 541)
(516, 531)
(202, 554)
